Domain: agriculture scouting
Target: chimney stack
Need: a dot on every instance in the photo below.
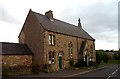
(49, 15)
(79, 23)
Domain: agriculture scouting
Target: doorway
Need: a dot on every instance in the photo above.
(60, 60)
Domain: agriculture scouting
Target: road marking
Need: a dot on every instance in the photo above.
(113, 73)
(108, 77)
(84, 72)
(77, 74)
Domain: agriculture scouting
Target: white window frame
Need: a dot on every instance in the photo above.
(51, 39)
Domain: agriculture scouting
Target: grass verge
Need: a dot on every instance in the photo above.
(114, 62)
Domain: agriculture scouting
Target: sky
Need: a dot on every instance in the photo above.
(98, 17)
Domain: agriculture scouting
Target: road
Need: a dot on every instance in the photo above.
(109, 72)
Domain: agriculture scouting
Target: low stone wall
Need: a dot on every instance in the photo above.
(16, 64)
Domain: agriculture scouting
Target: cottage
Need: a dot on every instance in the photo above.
(56, 42)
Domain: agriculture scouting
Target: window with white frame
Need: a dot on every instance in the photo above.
(51, 39)
(51, 57)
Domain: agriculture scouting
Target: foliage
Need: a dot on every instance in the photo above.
(101, 56)
(105, 57)
(116, 56)
(35, 68)
(114, 61)
(81, 63)
(91, 63)
(47, 68)
(96, 65)
(71, 62)
(15, 70)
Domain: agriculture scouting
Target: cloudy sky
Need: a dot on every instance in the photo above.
(98, 17)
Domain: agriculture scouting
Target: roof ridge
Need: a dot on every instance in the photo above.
(56, 19)
(62, 27)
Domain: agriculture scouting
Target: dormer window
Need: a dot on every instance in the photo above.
(51, 39)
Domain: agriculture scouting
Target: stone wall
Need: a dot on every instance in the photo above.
(16, 64)
(16, 60)
(32, 34)
(61, 44)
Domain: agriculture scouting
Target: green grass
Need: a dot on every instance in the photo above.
(109, 63)
(114, 62)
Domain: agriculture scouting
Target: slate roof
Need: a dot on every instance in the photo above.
(14, 49)
(61, 27)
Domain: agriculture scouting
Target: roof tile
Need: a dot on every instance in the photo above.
(62, 27)
(14, 48)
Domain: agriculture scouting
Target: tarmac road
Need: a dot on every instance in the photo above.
(110, 72)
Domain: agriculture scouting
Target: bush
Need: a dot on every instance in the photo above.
(95, 65)
(15, 70)
(35, 69)
(71, 62)
(5, 71)
(47, 68)
(101, 56)
(91, 63)
(81, 63)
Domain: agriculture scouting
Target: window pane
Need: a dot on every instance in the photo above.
(49, 39)
(53, 54)
(50, 55)
(53, 40)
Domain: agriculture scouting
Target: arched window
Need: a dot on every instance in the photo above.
(51, 57)
(70, 50)
(91, 52)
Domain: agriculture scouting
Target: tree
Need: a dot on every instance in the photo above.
(116, 56)
(105, 57)
(101, 56)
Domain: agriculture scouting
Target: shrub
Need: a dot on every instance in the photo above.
(95, 65)
(47, 68)
(91, 63)
(81, 63)
(35, 69)
(15, 70)
(5, 71)
(71, 62)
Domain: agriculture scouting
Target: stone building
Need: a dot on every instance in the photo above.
(55, 42)
(15, 55)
